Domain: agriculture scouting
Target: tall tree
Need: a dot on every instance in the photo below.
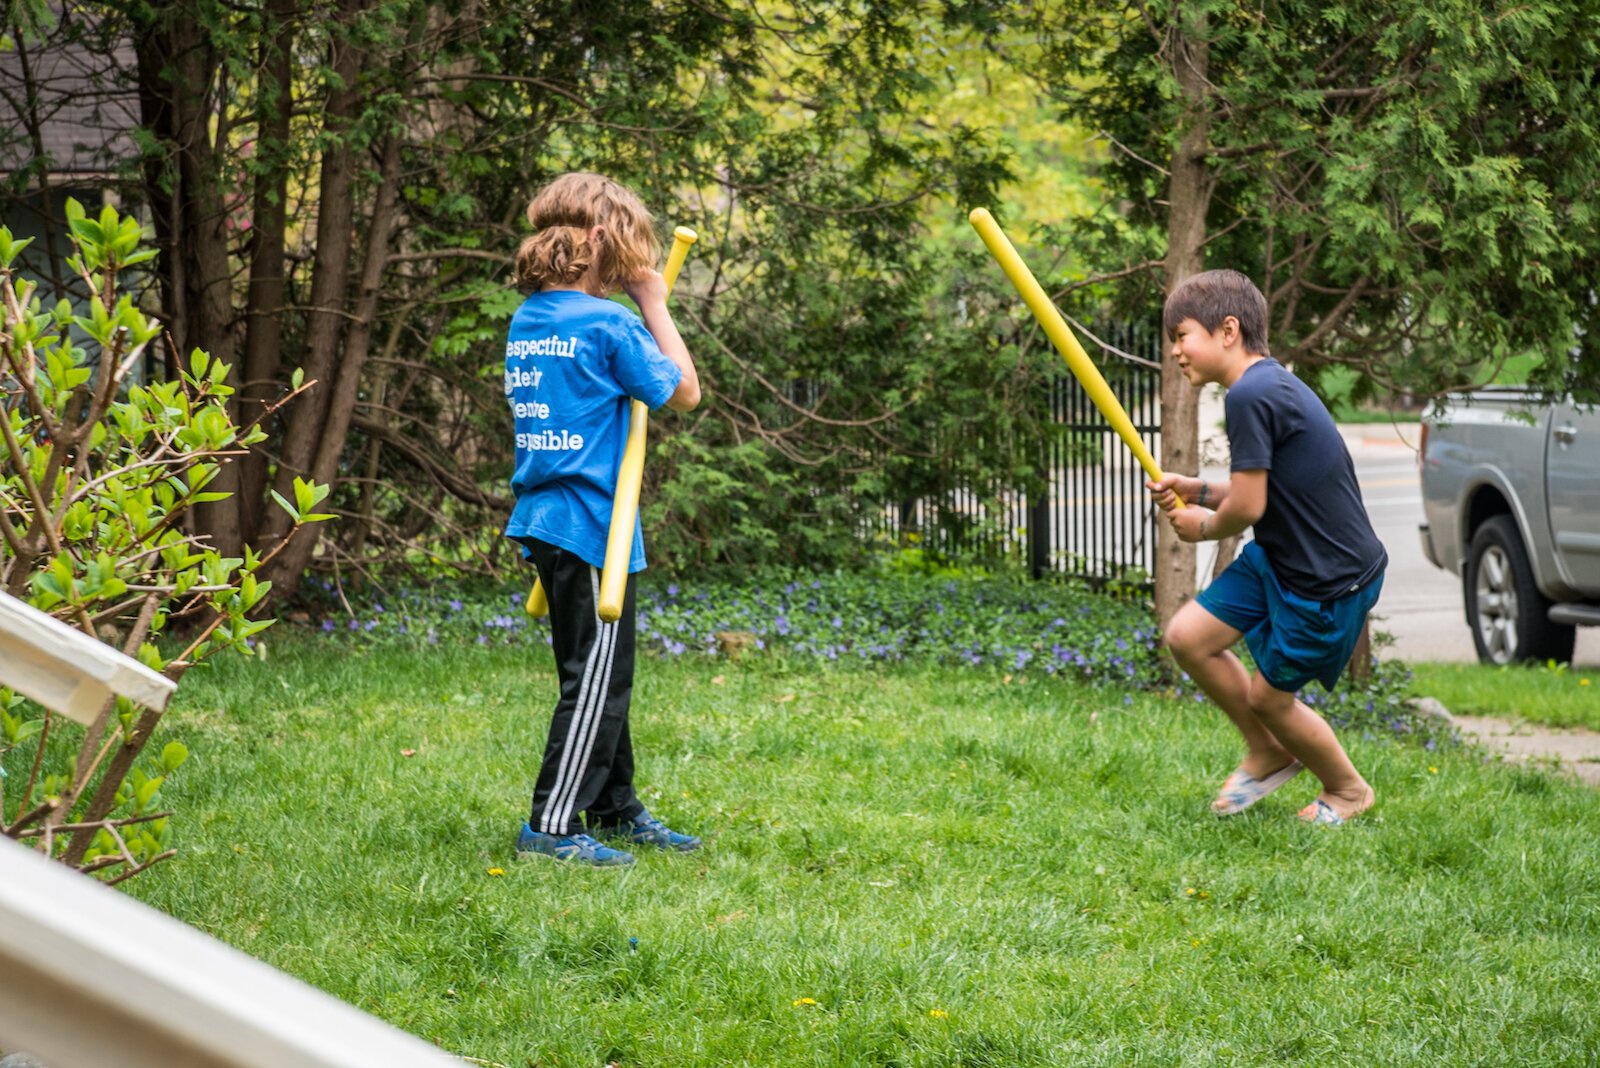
(1189, 200)
(338, 186)
(1411, 183)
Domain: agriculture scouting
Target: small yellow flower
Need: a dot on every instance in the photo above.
(1432, 770)
(938, 1014)
(1194, 941)
(804, 1001)
(497, 871)
(1189, 890)
(1583, 682)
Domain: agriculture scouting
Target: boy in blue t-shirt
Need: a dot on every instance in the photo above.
(573, 360)
(1300, 592)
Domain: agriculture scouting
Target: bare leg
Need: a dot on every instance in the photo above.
(1277, 727)
(1308, 736)
(1202, 645)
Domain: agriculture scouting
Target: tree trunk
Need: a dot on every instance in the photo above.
(341, 403)
(177, 66)
(1189, 195)
(325, 322)
(266, 287)
(1360, 666)
(1227, 549)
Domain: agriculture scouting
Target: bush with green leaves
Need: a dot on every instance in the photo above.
(101, 475)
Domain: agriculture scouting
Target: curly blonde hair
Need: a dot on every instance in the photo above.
(560, 252)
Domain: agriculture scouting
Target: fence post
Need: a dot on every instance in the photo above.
(1039, 532)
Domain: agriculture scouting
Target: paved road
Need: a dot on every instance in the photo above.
(1421, 605)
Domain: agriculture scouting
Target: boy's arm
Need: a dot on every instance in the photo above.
(1210, 492)
(649, 293)
(1244, 500)
(1243, 503)
(1207, 493)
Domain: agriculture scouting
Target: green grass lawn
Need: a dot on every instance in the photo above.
(1559, 695)
(905, 866)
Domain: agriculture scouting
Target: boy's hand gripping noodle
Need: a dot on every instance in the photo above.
(1055, 327)
(625, 506)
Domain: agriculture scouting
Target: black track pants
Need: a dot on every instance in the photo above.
(588, 759)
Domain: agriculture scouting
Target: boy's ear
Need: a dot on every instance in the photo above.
(1230, 330)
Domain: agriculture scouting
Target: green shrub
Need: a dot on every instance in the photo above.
(99, 477)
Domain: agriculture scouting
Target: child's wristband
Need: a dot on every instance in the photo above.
(1201, 500)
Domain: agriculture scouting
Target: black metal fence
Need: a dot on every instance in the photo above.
(1089, 515)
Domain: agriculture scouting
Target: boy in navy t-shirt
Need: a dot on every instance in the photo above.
(1300, 592)
(573, 360)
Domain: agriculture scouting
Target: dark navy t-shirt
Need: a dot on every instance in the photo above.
(1315, 530)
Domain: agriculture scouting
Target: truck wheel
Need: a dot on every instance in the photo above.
(1506, 611)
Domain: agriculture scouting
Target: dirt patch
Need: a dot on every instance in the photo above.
(1573, 748)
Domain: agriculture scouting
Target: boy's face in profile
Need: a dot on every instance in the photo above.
(1203, 355)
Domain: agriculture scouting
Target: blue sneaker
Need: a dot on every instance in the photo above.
(577, 847)
(647, 830)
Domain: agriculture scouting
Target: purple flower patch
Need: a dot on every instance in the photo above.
(999, 624)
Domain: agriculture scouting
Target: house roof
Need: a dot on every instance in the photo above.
(83, 96)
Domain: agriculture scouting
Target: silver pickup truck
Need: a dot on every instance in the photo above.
(1511, 495)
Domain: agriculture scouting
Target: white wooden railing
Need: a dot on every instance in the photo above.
(91, 978)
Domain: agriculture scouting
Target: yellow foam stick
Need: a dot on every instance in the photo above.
(630, 476)
(1061, 335)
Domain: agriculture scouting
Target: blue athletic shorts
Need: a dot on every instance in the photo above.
(1292, 639)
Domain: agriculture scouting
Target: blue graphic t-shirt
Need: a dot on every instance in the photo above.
(572, 363)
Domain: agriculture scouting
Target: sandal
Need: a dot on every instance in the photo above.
(1242, 789)
(1324, 814)
(1320, 812)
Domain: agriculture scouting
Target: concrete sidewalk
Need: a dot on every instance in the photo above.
(1384, 437)
(1570, 748)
